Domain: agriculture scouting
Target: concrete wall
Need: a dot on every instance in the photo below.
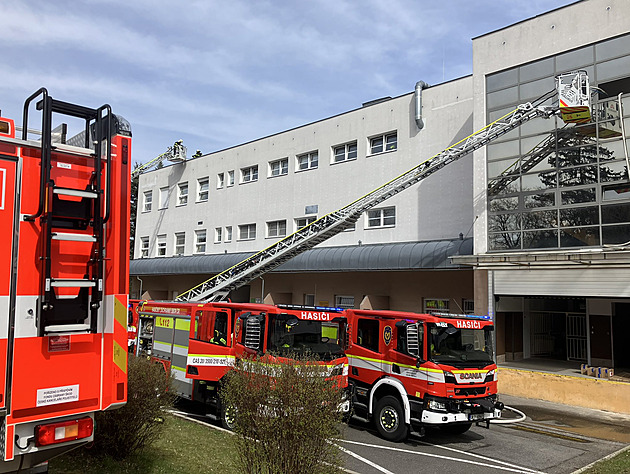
(577, 391)
(403, 291)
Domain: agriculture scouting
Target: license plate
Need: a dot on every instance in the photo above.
(478, 416)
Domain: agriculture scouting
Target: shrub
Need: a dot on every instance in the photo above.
(286, 413)
(127, 430)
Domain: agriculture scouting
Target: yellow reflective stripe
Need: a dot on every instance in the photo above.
(120, 357)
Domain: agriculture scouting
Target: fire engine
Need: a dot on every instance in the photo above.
(200, 342)
(64, 217)
(413, 370)
(443, 401)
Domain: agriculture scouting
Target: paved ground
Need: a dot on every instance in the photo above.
(599, 424)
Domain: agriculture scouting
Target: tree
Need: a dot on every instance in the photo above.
(286, 415)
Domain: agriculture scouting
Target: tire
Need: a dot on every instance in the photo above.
(456, 428)
(228, 417)
(389, 418)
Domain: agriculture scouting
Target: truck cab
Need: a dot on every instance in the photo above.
(410, 371)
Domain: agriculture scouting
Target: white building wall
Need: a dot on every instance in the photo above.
(438, 208)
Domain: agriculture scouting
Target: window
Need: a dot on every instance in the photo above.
(345, 152)
(161, 245)
(279, 167)
(220, 180)
(434, 305)
(163, 198)
(228, 233)
(144, 247)
(249, 174)
(180, 242)
(276, 228)
(202, 189)
(309, 299)
(182, 194)
(368, 334)
(307, 161)
(230, 181)
(147, 201)
(304, 221)
(385, 217)
(218, 235)
(247, 232)
(387, 142)
(200, 241)
(344, 301)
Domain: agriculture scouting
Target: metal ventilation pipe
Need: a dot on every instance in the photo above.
(418, 98)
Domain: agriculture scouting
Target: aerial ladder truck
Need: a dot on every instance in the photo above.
(201, 305)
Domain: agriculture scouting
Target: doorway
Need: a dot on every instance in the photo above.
(620, 330)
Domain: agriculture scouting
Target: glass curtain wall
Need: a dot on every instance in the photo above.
(561, 186)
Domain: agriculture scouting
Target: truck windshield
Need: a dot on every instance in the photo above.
(289, 335)
(454, 346)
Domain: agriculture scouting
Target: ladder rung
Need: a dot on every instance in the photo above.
(75, 192)
(73, 237)
(70, 283)
(67, 328)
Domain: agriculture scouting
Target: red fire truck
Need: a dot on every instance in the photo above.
(64, 218)
(199, 342)
(413, 370)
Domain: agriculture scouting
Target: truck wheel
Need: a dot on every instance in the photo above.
(456, 428)
(390, 419)
(228, 417)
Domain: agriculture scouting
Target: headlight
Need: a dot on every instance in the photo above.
(490, 376)
(337, 370)
(436, 405)
(449, 377)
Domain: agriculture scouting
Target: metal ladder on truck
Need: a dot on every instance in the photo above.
(219, 286)
(74, 206)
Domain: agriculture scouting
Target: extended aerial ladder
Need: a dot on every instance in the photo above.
(573, 91)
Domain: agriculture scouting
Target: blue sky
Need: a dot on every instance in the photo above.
(221, 73)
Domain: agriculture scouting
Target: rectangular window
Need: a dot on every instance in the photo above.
(200, 241)
(144, 247)
(228, 233)
(344, 301)
(247, 232)
(147, 201)
(218, 235)
(385, 217)
(381, 143)
(249, 174)
(345, 152)
(180, 243)
(161, 245)
(309, 299)
(163, 198)
(277, 229)
(182, 194)
(279, 167)
(220, 180)
(304, 221)
(202, 189)
(230, 179)
(307, 161)
(435, 305)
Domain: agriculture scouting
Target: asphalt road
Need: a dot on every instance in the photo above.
(553, 439)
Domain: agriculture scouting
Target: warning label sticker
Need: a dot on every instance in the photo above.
(52, 396)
